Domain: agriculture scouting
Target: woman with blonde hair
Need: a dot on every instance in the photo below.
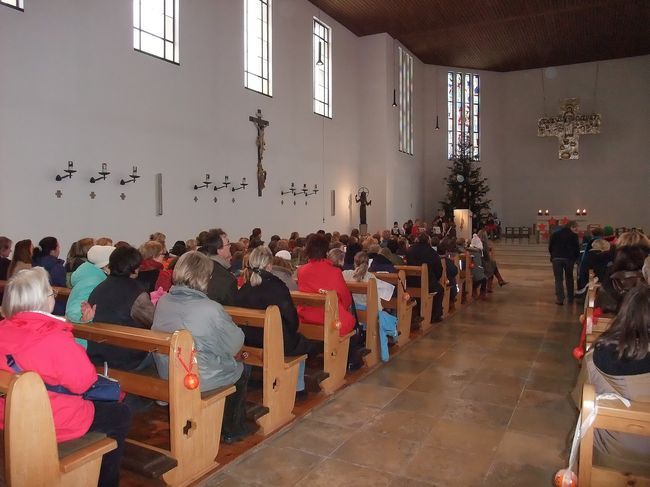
(218, 341)
(152, 273)
(22, 258)
(263, 289)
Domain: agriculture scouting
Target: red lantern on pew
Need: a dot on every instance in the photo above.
(191, 380)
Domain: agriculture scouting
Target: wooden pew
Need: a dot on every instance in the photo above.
(460, 281)
(369, 316)
(422, 292)
(614, 416)
(279, 373)
(30, 447)
(444, 283)
(335, 347)
(465, 277)
(194, 418)
(62, 293)
(402, 304)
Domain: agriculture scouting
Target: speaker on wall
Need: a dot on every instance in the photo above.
(159, 195)
(333, 202)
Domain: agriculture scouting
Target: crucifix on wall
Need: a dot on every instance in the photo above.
(568, 126)
(260, 124)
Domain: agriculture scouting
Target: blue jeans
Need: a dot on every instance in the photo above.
(563, 272)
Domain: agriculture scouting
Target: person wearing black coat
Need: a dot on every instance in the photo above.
(564, 248)
(379, 262)
(223, 285)
(262, 290)
(420, 253)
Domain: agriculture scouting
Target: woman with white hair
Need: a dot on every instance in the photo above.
(264, 289)
(32, 339)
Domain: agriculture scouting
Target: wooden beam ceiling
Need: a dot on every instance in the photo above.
(503, 35)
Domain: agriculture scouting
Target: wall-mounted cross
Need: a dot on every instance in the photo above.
(568, 126)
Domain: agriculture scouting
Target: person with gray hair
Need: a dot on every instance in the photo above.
(32, 339)
(264, 289)
(218, 341)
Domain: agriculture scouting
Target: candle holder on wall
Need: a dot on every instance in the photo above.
(242, 185)
(292, 190)
(69, 172)
(205, 184)
(307, 192)
(225, 184)
(134, 175)
(103, 173)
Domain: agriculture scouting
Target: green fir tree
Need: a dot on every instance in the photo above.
(465, 186)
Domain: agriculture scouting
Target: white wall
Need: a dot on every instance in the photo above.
(73, 88)
(612, 175)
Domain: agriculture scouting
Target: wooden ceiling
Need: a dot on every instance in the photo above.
(503, 35)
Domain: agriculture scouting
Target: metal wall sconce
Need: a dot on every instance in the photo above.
(103, 173)
(540, 212)
(225, 184)
(243, 185)
(205, 184)
(306, 191)
(69, 172)
(292, 190)
(582, 212)
(134, 175)
(546, 213)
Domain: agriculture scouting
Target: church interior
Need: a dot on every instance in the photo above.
(131, 117)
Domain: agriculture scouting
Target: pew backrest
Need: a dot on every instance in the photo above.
(369, 316)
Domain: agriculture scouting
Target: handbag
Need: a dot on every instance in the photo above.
(104, 388)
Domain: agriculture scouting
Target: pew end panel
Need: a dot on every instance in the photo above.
(31, 450)
(402, 303)
(369, 316)
(614, 416)
(444, 283)
(279, 373)
(335, 347)
(422, 293)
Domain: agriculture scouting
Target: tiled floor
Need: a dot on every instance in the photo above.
(481, 400)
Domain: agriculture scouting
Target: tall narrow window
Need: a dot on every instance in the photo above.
(405, 101)
(155, 28)
(322, 69)
(257, 45)
(463, 102)
(17, 4)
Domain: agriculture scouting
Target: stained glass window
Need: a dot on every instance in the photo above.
(257, 45)
(405, 101)
(155, 28)
(17, 4)
(463, 102)
(322, 62)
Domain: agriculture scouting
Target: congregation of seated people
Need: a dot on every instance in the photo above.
(147, 286)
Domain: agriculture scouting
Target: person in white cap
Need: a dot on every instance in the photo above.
(283, 270)
(86, 278)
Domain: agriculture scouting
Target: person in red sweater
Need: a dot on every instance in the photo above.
(41, 342)
(152, 272)
(319, 273)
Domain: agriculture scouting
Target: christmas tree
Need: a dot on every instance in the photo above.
(465, 186)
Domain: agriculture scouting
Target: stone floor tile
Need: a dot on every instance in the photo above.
(348, 414)
(449, 467)
(493, 394)
(513, 475)
(274, 466)
(338, 473)
(523, 449)
(369, 394)
(377, 451)
(428, 404)
(314, 437)
(543, 421)
(464, 436)
(386, 377)
(401, 424)
(489, 415)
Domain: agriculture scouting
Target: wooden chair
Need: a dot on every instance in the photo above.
(369, 316)
(194, 418)
(401, 303)
(510, 233)
(524, 232)
(335, 347)
(614, 416)
(279, 373)
(32, 456)
(422, 292)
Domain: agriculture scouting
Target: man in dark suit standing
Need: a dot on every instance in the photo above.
(564, 248)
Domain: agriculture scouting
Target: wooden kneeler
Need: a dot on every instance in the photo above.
(279, 373)
(31, 453)
(615, 416)
(194, 418)
(335, 347)
(402, 303)
(369, 316)
(422, 292)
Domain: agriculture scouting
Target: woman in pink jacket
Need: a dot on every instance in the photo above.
(41, 342)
